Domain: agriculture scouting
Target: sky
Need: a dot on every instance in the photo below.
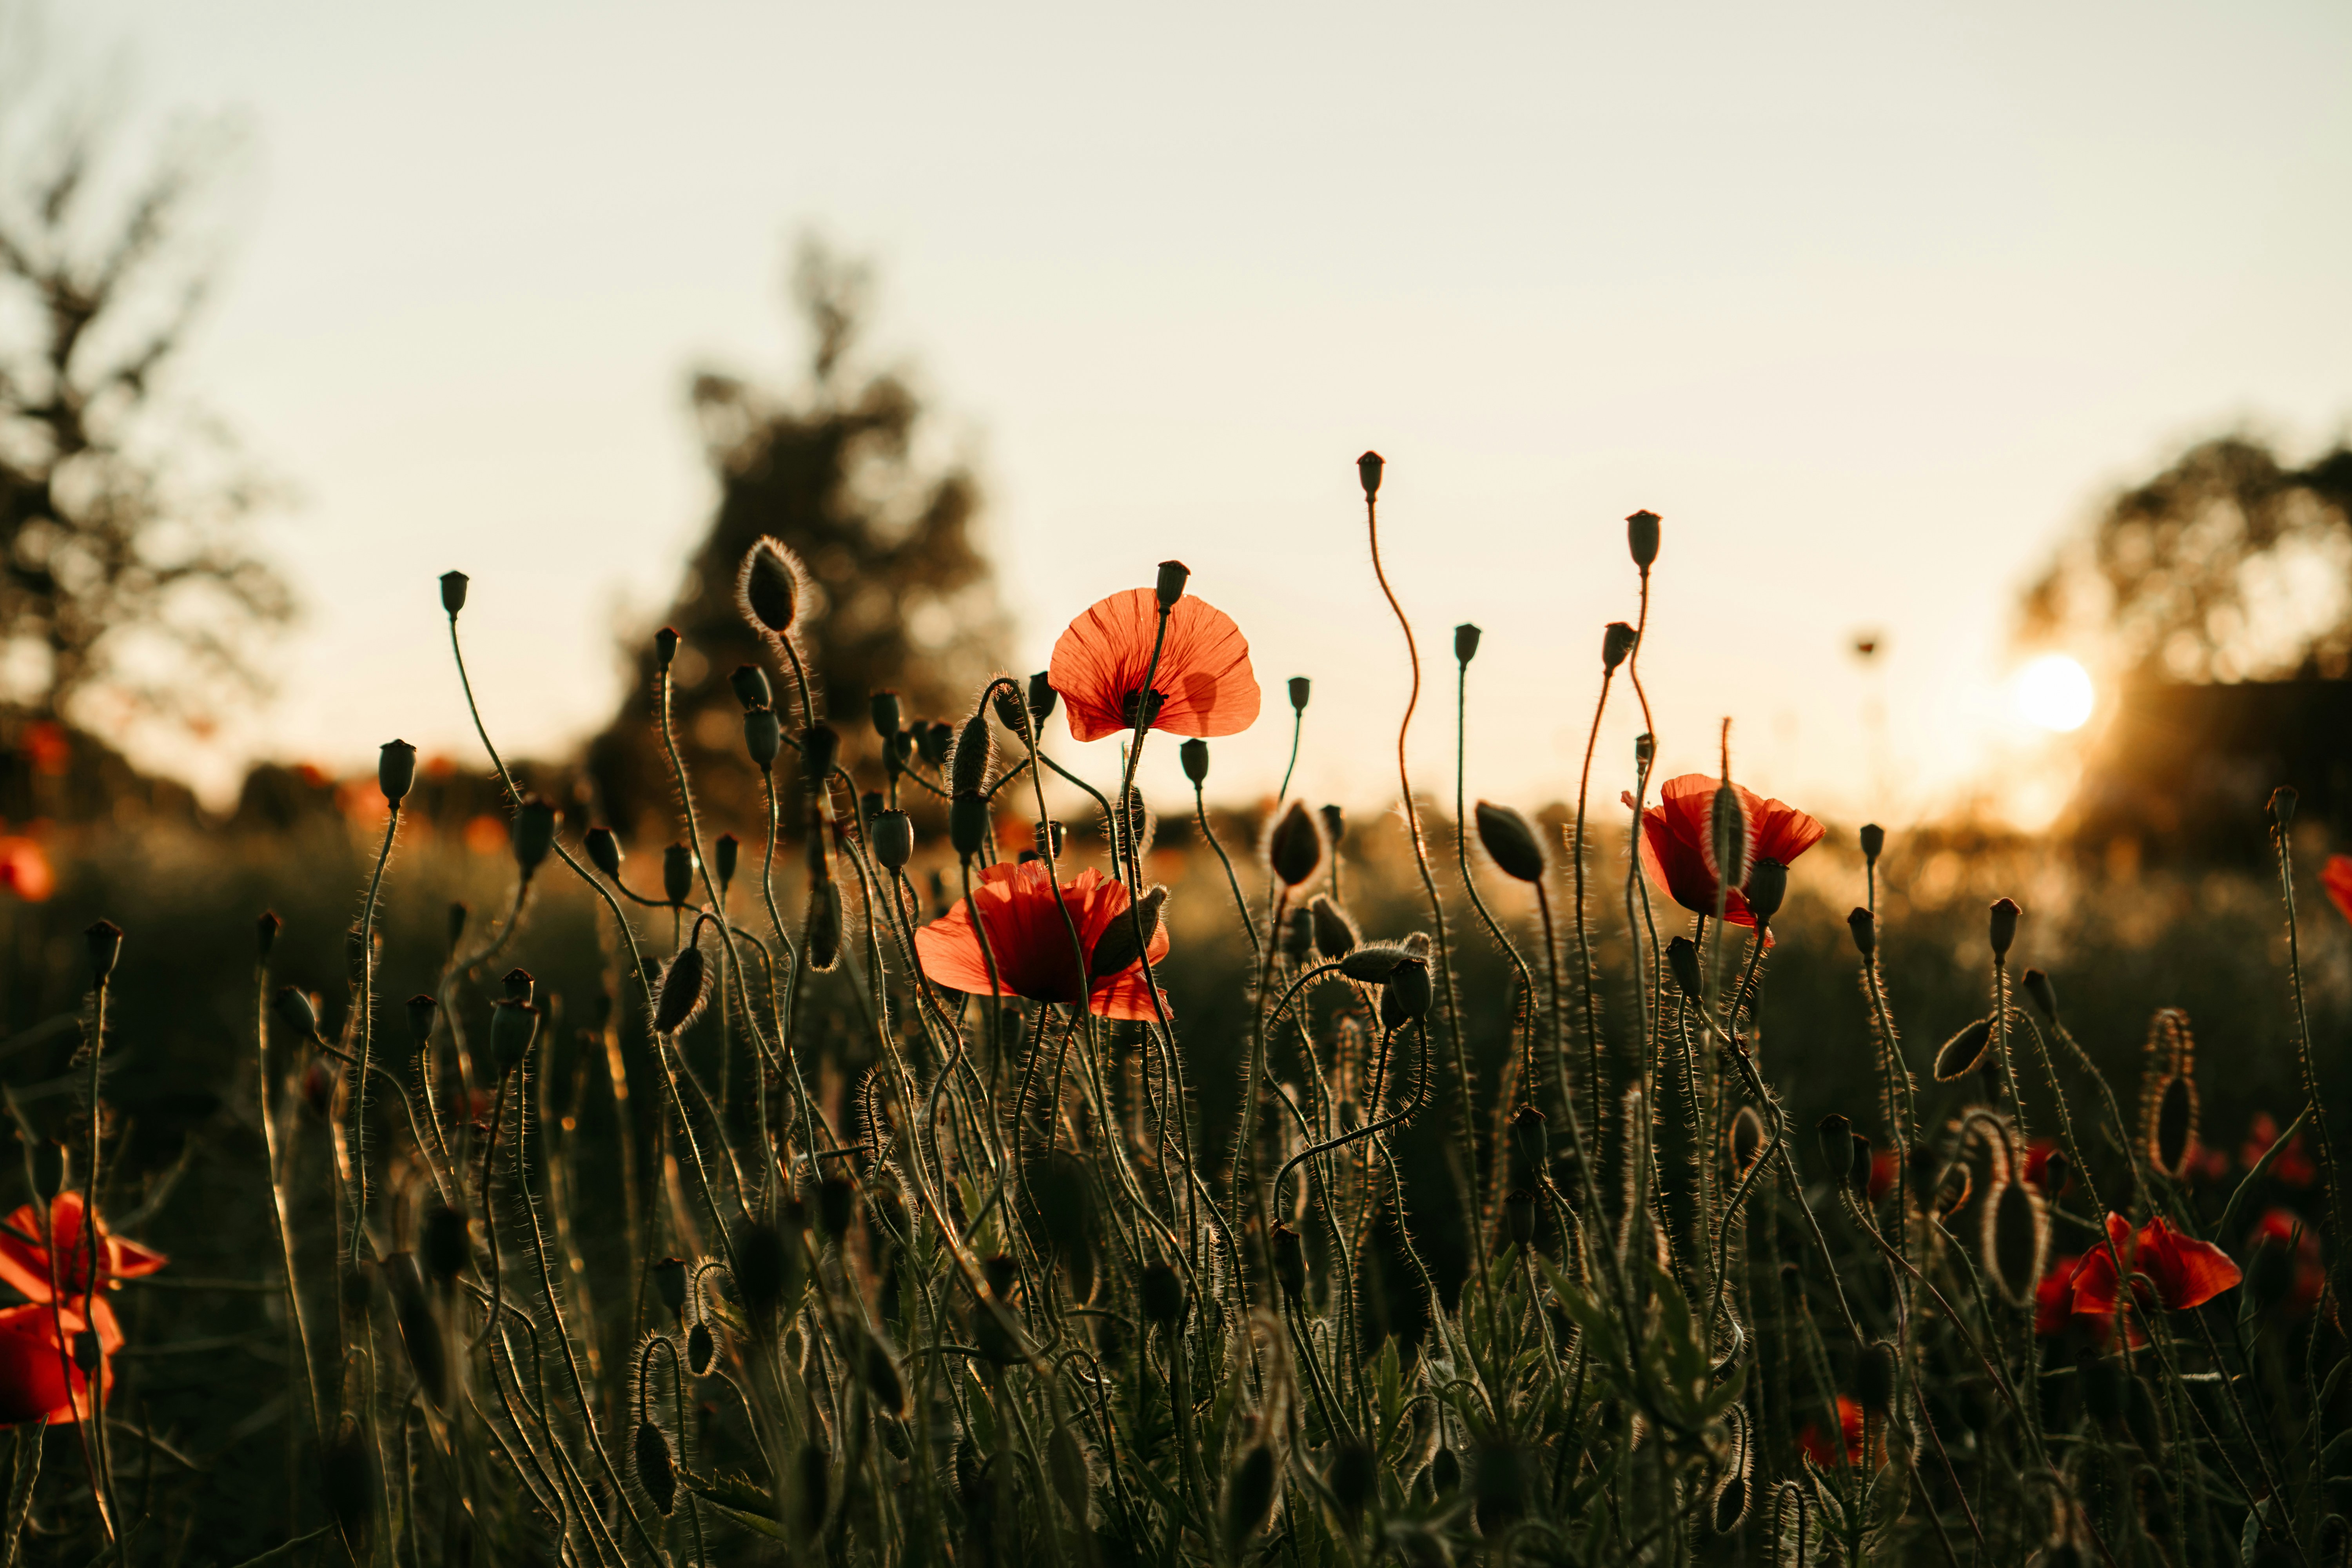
(1872, 302)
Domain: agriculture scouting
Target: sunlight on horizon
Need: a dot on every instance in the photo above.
(2054, 693)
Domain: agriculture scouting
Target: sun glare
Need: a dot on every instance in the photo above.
(2054, 693)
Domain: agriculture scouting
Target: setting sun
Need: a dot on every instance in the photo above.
(2054, 693)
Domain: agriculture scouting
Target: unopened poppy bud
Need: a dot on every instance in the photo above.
(2003, 926)
(1616, 642)
(1641, 538)
(1335, 828)
(893, 833)
(1682, 960)
(2282, 801)
(534, 834)
(1043, 699)
(684, 987)
(968, 766)
(1011, 711)
(1407, 991)
(1368, 473)
(453, 591)
(421, 1010)
(395, 770)
(768, 587)
(1836, 1135)
(603, 847)
(656, 1470)
(820, 749)
(1289, 1260)
(664, 647)
(445, 1241)
(1768, 884)
(1335, 934)
(298, 1012)
(1519, 1216)
(1301, 689)
(967, 824)
(1117, 949)
(725, 855)
(933, 741)
(1295, 849)
(1864, 926)
(701, 1350)
(678, 873)
(513, 1026)
(1510, 843)
(882, 707)
(1964, 1051)
(1465, 643)
(1874, 842)
(752, 688)
(105, 939)
(1194, 755)
(763, 736)
(1160, 1293)
(670, 1284)
(1527, 1141)
(1728, 823)
(821, 927)
(347, 1478)
(265, 931)
(1355, 1477)
(1874, 1378)
(48, 1161)
(869, 806)
(2040, 993)
(1171, 586)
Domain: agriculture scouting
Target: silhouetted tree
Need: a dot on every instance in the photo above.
(2227, 565)
(904, 601)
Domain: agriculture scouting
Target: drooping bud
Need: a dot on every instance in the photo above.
(967, 824)
(603, 847)
(2040, 993)
(752, 688)
(932, 741)
(456, 922)
(1335, 934)
(2003, 926)
(1836, 1135)
(656, 1470)
(763, 736)
(1510, 843)
(1641, 538)
(1289, 1261)
(1681, 961)
(1465, 643)
(1519, 1216)
(1406, 995)
(1768, 884)
(768, 586)
(1043, 699)
(1301, 687)
(678, 873)
(396, 771)
(821, 930)
(298, 1012)
(701, 1350)
(2016, 1235)
(1616, 642)
(420, 1329)
(534, 834)
(1115, 951)
(421, 1011)
(1368, 473)
(1874, 1378)
(1864, 926)
(1963, 1052)
(105, 939)
(453, 592)
(1170, 586)
(893, 833)
(1295, 846)
(664, 649)
(1747, 1139)
(1194, 754)
(968, 766)
(513, 1026)
(1354, 1478)
(725, 856)
(1874, 842)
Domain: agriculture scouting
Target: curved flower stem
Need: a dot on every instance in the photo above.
(367, 1040)
(1298, 724)
(1470, 883)
(1419, 1090)
(297, 1326)
(1200, 815)
(2335, 1216)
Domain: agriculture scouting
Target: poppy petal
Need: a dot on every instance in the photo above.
(1205, 683)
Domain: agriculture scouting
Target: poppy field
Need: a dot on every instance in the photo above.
(931, 1166)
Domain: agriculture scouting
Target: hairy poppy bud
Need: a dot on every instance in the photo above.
(603, 847)
(1368, 473)
(763, 736)
(1160, 1293)
(1194, 754)
(768, 587)
(1047, 836)
(878, 1369)
(2016, 1237)
(1727, 827)
(1116, 950)
(1874, 842)
(298, 1012)
(265, 931)
(664, 649)
(1768, 884)
(882, 707)
(1407, 992)
(752, 688)
(1465, 643)
(1371, 962)
(49, 1163)
(1301, 687)
(1519, 1216)
(1682, 960)
(1528, 1142)
(445, 1241)
(656, 1471)
(2039, 991)
(967, 824)
(1963, 1052)
(932, 741)
(1289, 1260)
(1249, 1493)
(701, 1350)
(105, 939)
(1171, 586)
(1864, 926)
(453, 591)
(1616, 642)
(421, 1010)
(820, 749)
(1510, 843)
(678, 873)
(1295, 849)
(893, 833)
(1335, 934)
(396, 771)
(1043, 699)
(968, 766)
(513, 1026)
(2282, 801)
(764, 1268)
(669, 1283)
(1836, 1135)
(534, 834)
(2004, 925)
(1011, 711)
(1641, 538)
(725, 855)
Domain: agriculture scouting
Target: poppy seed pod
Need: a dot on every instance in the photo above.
(1043, 697)
(2039, 991)
(882, 707)
(752, 688)
(2282, 801)
(1874, 842)
(701, 1350)
(1301, 687)
(1171, 584)
(421, 1010)
(453, 591)
(893, 833)
(725, 856)
(105, 939)
(769, 586)
(820, 749)
(1641, 538)
(445, 1241)
(1510, 843)
(1964, 1051)
(2002, 926)
(1289, 1260)
(1335, 934)
(678, 873)
(1160, 1293)
(49, 1169)
(1295, 849)
(656, 1471)
(1194, 755)
(1465, 643)
(968, 766)
(1768, 884)
(664, 649)
(520, 985)
(534, 833)
(669, 1283)
(763, 736)
(967, 824)
(1115, 951)
(1368, 473)
(298, 1012)
(513, 1026)
(265, 931)
(603, 847)
(1616, 642)
(1836, 1135)
(1681, 961)
(1864, 926)
(396, 771)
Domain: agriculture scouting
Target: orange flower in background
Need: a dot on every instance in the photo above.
(36, 1380)
(2292, 1166)
(1030, 941)
(47, 746)
(1203, 687)
(1824, 1452)
(2337, 878)
(25, 869)
(1678, 842)
(2186, 1273)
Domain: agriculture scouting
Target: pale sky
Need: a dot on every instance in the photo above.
(1871, 301)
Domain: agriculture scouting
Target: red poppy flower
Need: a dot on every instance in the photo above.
(2053, 1296)
(39, 1381)
(35, 1382)
(1678, 842)
(2285, 1229)
(1031, 942)
(1203, 686)
(1821, 1450)
(2292, 1166)
(2186, 1272)
(2337, 878)
(1883, 1166)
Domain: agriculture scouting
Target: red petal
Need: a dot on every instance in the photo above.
(2337, 878)
(2187, 1273)
(1207, 688)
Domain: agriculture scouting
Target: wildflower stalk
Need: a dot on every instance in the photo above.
(1470, 883)
(1200, 815)
(367, 1034)
(298, 1327)
(2282, 816)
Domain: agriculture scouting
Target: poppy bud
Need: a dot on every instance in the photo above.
(664, 649)
(520, 985)
(2003, 926)
(752, 688)
(1407, 991)
(1335, 828)
(1115, 951)
(893, 833)
(445, 1241)
(1510, 843)
(2016, 1234)
(1160, 1293)
(421, 1010)
(1171, 586)
(821, 927)
(762, 1268)
(882, 707)
(1864, 926)
(1519, 1216)
(1768, 884)
(1747, 1139)
(701, 1350)
(932, 741)
(453, 591)
(513, 1026)
(1963, 1051)
(656, 1471)
(1295, 849)
(1300, 689)
(1465, 643)
(265, 932)
(1874, 842)
(1042, 699)
(1863, 1163)
(603, 847)
(534, 834)
(298, 1012)
(678, 873)
(878, 1369)
(725, 855)
(1728, 826)
(347, 1470)
(1527, 1141)
(1194, 754)
(2282, 801)
(395, 770)
(2038, 991)
(1335, 934)
(1368, 473)
(1641, 538)
(1682, 959)
(1836, 1135)
(48, 1161)
(1874, 1378)
(670, 1284)
(968, 766)
(768, 586)
(820, 749)
(967, 824)
(763, 736)
(1289, 1261)
(105, 939)
(1616, 642)
(1248, 1495)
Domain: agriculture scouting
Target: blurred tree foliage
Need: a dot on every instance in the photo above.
(905, 600)
(2229, 564)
